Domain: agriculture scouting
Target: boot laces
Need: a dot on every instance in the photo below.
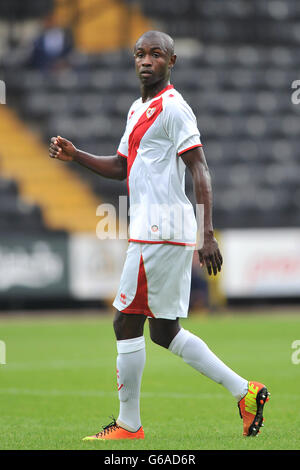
(109, 428)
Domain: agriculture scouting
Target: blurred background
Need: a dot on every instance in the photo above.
(66, 68)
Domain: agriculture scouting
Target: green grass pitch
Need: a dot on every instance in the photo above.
(59, 384)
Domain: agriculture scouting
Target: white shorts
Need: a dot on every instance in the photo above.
(156, 281)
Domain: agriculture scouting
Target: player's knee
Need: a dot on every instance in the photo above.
(127, 326)
(117, 324)
(162, 332)
(158, 338)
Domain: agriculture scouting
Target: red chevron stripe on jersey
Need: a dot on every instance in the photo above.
(144, 123)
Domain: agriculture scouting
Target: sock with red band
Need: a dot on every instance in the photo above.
(130, 365)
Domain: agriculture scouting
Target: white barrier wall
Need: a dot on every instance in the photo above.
(257, 264)
(33, 266)
(261, 263)
(95, 266)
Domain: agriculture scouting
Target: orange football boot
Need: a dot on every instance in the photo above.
(251, 408)
(113, 431)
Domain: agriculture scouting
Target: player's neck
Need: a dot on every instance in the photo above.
(149, 92)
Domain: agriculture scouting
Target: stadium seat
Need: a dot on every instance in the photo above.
(15, 213)
(237, 77)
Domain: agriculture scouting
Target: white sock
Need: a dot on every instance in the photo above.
(130, 365)
(197, 354)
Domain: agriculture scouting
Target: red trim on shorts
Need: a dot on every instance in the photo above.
(189, 148)
(139, 305)
(121, 154)
(139, 130)
(161, 242)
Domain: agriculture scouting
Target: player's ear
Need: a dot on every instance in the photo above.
(172, 61)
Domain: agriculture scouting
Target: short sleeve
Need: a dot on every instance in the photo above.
(123, 146)
(181, 126)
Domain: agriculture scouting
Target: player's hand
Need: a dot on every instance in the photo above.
(210, 256)
(62, 149)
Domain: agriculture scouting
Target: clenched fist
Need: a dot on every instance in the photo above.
(62, 149)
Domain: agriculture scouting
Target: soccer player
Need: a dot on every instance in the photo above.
(161, 139)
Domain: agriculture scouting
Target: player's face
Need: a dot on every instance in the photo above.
(153, 61)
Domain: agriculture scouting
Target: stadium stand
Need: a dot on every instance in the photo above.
(237, 75)
(39, 179)
(15, 213)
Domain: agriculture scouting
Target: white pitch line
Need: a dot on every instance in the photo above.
(100, 393)
(43, 365)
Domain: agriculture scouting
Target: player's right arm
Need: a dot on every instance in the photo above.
(114, 167)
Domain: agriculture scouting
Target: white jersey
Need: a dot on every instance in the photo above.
(157, 133)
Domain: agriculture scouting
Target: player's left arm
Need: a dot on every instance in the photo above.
(209, 254)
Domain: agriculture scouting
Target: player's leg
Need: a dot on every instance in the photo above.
(162, 331)
(130, 365)
(172, 303)
(129, 328)
(195, 352)
(251, 396)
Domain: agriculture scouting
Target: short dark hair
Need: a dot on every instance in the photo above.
(164, 37)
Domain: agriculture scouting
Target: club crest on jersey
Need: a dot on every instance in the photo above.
(150, 112)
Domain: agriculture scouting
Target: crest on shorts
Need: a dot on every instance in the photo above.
(150, 112)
